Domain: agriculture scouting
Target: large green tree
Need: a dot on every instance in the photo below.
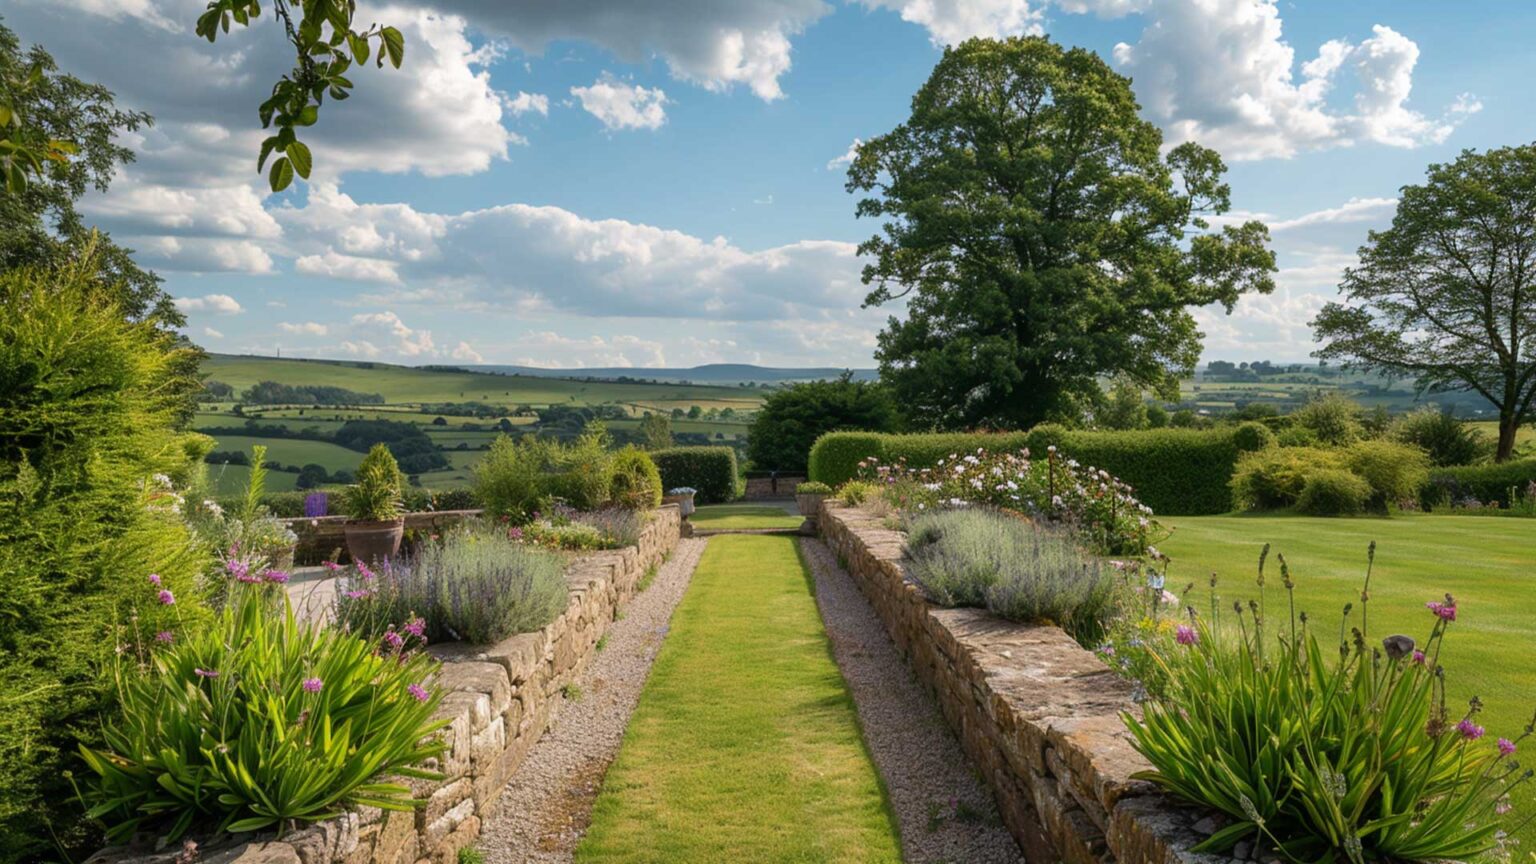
(1447, 294)
(39, 224)
(792, 418)
(1042, 238)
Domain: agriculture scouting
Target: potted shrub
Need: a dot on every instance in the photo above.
(809, 495)
(376, 524)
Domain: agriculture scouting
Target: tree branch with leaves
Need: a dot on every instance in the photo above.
(326, 46)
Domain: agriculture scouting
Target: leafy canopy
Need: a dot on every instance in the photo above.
(325, 47)
(1448, 293)
(58, 138)
(1041, 238)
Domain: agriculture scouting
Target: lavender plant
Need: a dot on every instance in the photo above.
(1021, 571)
(1356, 759)
(477, 586)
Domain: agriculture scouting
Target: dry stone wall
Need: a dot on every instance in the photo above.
(498, 702)
(1037, 714)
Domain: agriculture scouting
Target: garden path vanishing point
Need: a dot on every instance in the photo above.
(945, 813)
(546, 806)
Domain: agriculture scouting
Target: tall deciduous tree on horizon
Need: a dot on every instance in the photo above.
(1447, 294)
(1043, 238)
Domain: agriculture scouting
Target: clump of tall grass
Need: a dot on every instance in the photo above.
(474, 586)
(1020, 570)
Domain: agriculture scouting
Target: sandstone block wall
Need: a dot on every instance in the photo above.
(1037, 714)
(498, 701)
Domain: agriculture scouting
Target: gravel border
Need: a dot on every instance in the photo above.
(545, 809)
(944, 812)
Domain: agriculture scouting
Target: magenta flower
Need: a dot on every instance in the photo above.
(1469, 730)
(417, 627)
(166, 597)
(1186, 635)
(1446, 610)
(363, 569)
(357, 594)
(312, 685)
(1418, 657)
(154, 579)
(1506, 747)
(419, 692)
(206, 673)
(165, 636)
(393, 639)
(277, 577)
(331, 566)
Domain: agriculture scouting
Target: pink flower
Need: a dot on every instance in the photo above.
(331, 566)
(363, 569)
(276, 577)
(1418, 657)
(393, 639)
(357, 594)
(419, 692)
(165, 636)
(206, 673)
(1469, 730)
(166, 597)
(417, 627)
(154, 579)
(312, 685)
(1502, 808)
(1506, 747)
(1186, 635)
(1446, 610)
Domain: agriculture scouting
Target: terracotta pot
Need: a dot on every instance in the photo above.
(372, 542)
(809, 503)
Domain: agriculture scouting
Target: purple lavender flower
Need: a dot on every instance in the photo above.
(166, 597)
(1506, 747)
(316, 504)
(312, 685)
(419, 692)
(1469, 730)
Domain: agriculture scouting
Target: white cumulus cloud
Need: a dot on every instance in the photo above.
(220, 304)
(622, 105)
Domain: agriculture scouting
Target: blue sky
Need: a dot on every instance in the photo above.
(644, 183)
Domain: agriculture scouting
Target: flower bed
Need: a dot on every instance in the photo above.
(496, 704)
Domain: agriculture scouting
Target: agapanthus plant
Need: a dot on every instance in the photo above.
(1356, 757)
(1101, 508)
(259, 722)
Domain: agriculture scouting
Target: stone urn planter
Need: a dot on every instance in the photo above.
(808, 497)
(683, 498)
(374, 541)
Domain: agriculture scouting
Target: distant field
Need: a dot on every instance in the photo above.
(231, 479)
(399, 384)
(291, 452)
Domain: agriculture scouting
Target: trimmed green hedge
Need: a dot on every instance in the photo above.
(709, 470)
(1176, 472)
(1483, 482)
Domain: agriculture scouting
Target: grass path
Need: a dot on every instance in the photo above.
(744, 516)
(1488, 563)
(745, 745)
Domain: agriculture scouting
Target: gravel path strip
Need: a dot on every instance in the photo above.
(945, 813)
(547, 806)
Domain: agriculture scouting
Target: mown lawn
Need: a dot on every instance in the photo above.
(744, 516)
(745, 745)
(1487, 563)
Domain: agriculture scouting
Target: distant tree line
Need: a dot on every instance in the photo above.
(274, 393)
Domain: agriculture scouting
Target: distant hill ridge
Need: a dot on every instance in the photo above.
(712, 373)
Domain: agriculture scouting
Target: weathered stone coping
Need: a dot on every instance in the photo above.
(498, 701)
(1038, 715)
